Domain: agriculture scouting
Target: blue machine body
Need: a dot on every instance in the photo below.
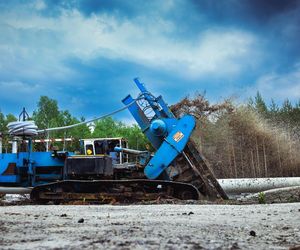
(167, 134)
(30, 168)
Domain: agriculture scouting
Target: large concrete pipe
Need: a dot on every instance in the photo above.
(254, 185)
(230, 186)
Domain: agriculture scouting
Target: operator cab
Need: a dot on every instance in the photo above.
(105, 146)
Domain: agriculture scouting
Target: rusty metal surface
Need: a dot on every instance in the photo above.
(195, 170)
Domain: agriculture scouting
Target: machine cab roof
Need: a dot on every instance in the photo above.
(105, 146)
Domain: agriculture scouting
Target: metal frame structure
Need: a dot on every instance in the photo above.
(167, 134)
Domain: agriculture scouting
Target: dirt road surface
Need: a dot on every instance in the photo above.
(274, 226)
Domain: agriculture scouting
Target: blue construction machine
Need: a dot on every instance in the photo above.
(175, 170)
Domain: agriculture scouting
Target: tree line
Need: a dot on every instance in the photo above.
(248, 140)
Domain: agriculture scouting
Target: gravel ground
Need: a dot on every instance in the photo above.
(275, 226)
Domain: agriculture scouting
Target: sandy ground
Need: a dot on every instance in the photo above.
(274, 226)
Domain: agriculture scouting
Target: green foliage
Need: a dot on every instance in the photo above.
(260, 104)
(273, 110)
(136, 138)
(4, 120)
(287, 115)
(48, 115)
(80, 132)
(10, 118)
(108, 127)
(261, 198)
(254, 140)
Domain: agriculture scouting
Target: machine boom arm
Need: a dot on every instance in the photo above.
(166, 133)
(170, 136)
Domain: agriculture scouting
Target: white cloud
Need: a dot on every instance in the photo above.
(35, 46)
(20, 94)
(18, 87)
(280, 86)
(39, 5)
(220, 52)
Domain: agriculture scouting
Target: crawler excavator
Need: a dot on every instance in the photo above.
(175, 170)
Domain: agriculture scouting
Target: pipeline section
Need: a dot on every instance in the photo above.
(230, 186)
(254, 185)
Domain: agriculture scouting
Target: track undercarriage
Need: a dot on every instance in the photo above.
(195, 181)
(110, 191)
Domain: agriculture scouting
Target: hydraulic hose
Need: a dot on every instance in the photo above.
(22, 128)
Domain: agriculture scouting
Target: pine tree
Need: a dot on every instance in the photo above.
(260, 105)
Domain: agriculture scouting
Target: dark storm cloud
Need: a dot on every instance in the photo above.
(246, 12)
(275, 22)
(263, 11)
(66, 49)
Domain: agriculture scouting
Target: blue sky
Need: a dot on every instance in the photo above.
(85, 53)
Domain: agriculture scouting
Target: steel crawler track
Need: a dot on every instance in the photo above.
(106, 191)
(195, 181)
